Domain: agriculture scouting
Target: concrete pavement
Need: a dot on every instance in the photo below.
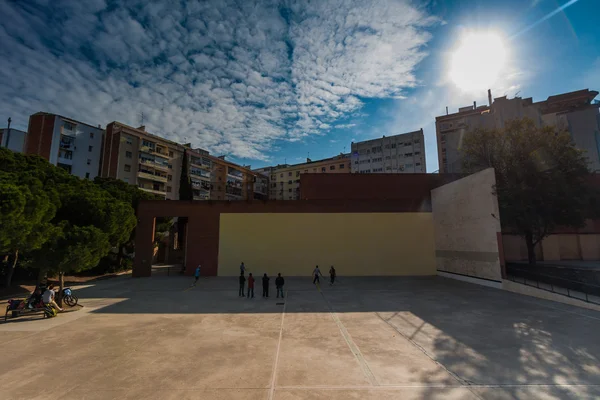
(395, 338)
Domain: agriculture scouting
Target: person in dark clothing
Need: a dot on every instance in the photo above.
(279, 282)
(331, 275)
(250, 285)
(265, 285)
(242, 283)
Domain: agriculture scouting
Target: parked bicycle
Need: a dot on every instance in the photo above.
(69, 298)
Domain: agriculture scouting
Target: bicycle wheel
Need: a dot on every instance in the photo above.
(71, 300)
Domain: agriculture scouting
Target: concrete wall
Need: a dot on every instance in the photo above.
(355, 243)
(466, 223)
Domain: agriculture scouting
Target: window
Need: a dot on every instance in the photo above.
(408, 166)
(289, 182)
(90, 148)
(170, 154)
(89, 162)
(408, 154)
(128, 154)
(281, 175)
(171, 167)
(297, 173)
(87, 175)
(355, 162)
(290, 190)
(341, 166)
(332, 167)
(305, 170)
(418, 164)
(169, 178)
(387, 157)
(407, 144)
(91, 135)
(297, 181)
(168, 189)
(323, 169)
(393, 145)
(69, 126)
(126, 180)
(314, 170)
(127, 168)
(290, 173)
(417, 153)
(128, 140)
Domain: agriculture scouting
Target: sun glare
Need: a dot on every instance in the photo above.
(478, 61)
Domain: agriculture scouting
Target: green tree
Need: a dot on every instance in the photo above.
(130, 194)
(27, 207)
(541, 178)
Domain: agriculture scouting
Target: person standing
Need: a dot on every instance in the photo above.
(242, 268)
(265, 282)
(250, 285)
(331, 275)
(279, 282)
(317, 273)
(197, 275)
(242, 283)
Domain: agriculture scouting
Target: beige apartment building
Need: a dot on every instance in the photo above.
(154, 165)
(575, 112)
(284, 182)
(140, 158)
(403, 153)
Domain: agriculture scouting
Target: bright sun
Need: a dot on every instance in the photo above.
(477, 61)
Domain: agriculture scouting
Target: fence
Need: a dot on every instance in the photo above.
(585, 291)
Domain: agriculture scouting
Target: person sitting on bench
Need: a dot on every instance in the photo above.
(48, 297)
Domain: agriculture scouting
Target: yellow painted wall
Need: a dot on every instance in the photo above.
(355, 243)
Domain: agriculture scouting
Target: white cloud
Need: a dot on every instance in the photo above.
(232, 77)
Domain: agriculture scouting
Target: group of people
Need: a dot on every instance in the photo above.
(317, 273)
(44, 294)
(279, 282)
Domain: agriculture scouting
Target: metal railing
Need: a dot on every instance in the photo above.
(588, 292)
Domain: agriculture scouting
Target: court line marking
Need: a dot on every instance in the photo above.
(353, 347)
(276, 363)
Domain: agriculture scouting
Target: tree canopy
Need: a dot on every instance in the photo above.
(540, 177)
(65, 223)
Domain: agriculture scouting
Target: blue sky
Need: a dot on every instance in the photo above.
(271, 81)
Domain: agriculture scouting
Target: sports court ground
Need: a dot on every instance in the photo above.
(373, 339)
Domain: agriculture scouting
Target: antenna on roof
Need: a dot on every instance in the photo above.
(142, 118)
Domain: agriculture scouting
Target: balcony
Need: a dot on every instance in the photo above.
(154, 164)
(152, 177)
(148, 149)
(66, 161)
(153, 191)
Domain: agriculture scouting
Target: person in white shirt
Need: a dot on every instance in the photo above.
(48, 297)
(316, 274)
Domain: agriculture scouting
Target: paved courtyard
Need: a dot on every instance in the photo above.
(379, 339)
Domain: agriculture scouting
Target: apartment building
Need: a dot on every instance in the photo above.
(67, 143)
(284, 179)
(403, 153)
(575, 112)
(214, 178)
(140, 158)
(13, 139)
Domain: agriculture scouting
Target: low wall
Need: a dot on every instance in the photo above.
(466, 226)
